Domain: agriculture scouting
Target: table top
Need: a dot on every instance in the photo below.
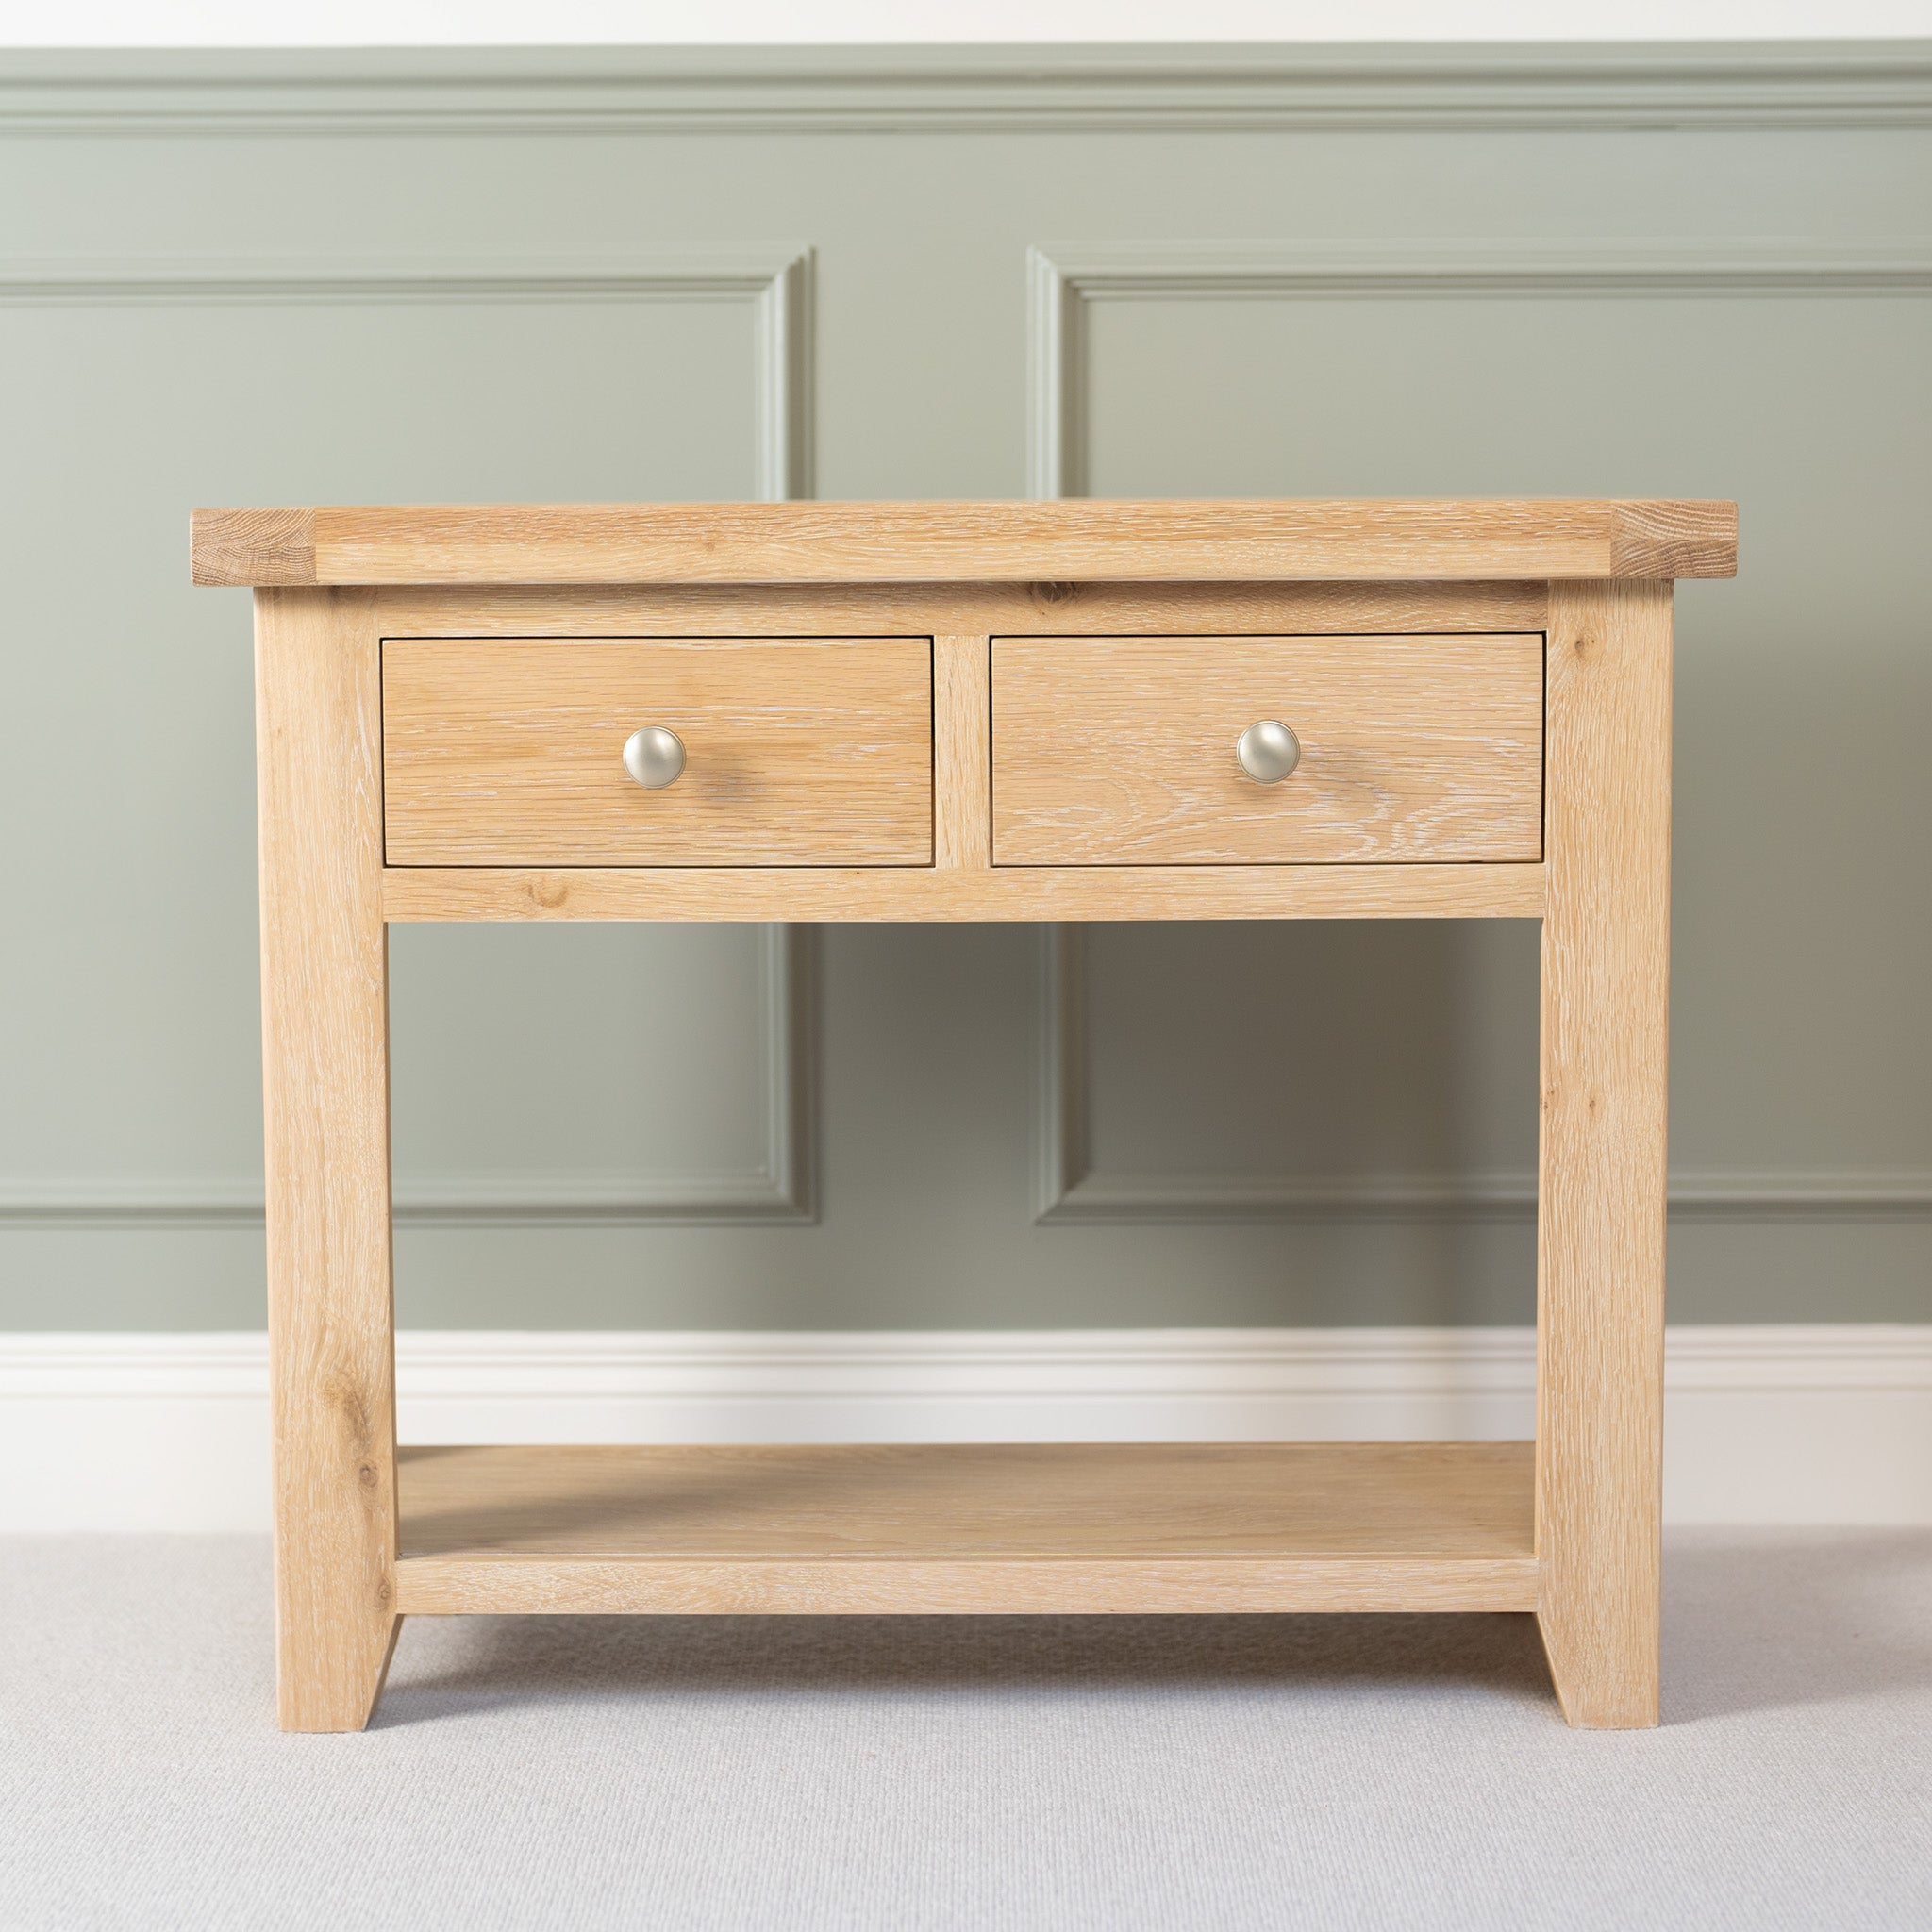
(1239, 540)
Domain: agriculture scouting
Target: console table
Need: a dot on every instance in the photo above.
(1066, 710)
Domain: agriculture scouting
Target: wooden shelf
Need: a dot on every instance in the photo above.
(999, 1528)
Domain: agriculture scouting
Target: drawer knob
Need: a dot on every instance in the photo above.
(653, 756)
(1268, 751)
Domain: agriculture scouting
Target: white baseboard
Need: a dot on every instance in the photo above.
(1803, 1424)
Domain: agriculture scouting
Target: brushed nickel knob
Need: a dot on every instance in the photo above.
(1268, 751)
(653, 756)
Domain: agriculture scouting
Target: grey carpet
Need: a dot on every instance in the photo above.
(1013, 1773)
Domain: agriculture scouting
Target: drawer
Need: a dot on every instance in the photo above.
(1122, 751)
(796, 751)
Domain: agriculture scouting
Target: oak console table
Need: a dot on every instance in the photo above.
(967, 712)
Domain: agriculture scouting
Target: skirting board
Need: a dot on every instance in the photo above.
(1815, 1423)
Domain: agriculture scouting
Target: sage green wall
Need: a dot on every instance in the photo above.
(368, 278)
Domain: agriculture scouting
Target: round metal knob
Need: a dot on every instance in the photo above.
(1268, 751)
(653, 756)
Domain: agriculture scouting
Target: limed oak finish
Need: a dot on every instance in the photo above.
(952, 1528)
(1113, 750)
(799, 751)
(967, 712)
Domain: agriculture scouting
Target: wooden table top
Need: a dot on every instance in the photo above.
(1243, 540)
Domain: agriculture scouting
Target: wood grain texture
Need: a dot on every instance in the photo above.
(1121, 751)
(324, 1002)
(1175, 891)
(1662, 540)
(801, 752)
(1600, 1236)
(962, 752)
(1051, 609)
(990, 1526)
(498, 718)
(1015, 543)
(263, 547)
(589, 1586)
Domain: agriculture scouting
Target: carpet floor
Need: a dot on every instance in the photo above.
(1065, 1772)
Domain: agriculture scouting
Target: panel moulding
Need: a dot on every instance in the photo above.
(783, 1186)
(777, 283)
(1065, 280)
(534, 91)
(1069, 1189)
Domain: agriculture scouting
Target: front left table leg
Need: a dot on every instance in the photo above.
(324, 1001)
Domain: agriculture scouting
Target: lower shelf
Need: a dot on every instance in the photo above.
(969, 1528)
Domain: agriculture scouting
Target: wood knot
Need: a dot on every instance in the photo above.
(1050, 595)
(342, 1394)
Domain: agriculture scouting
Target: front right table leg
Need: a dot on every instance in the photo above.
(1600, 1230)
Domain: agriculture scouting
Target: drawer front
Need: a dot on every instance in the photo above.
(796, 751)
(1122, 751)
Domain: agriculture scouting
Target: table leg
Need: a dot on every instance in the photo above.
(325, 1074)
(1600, 1236)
